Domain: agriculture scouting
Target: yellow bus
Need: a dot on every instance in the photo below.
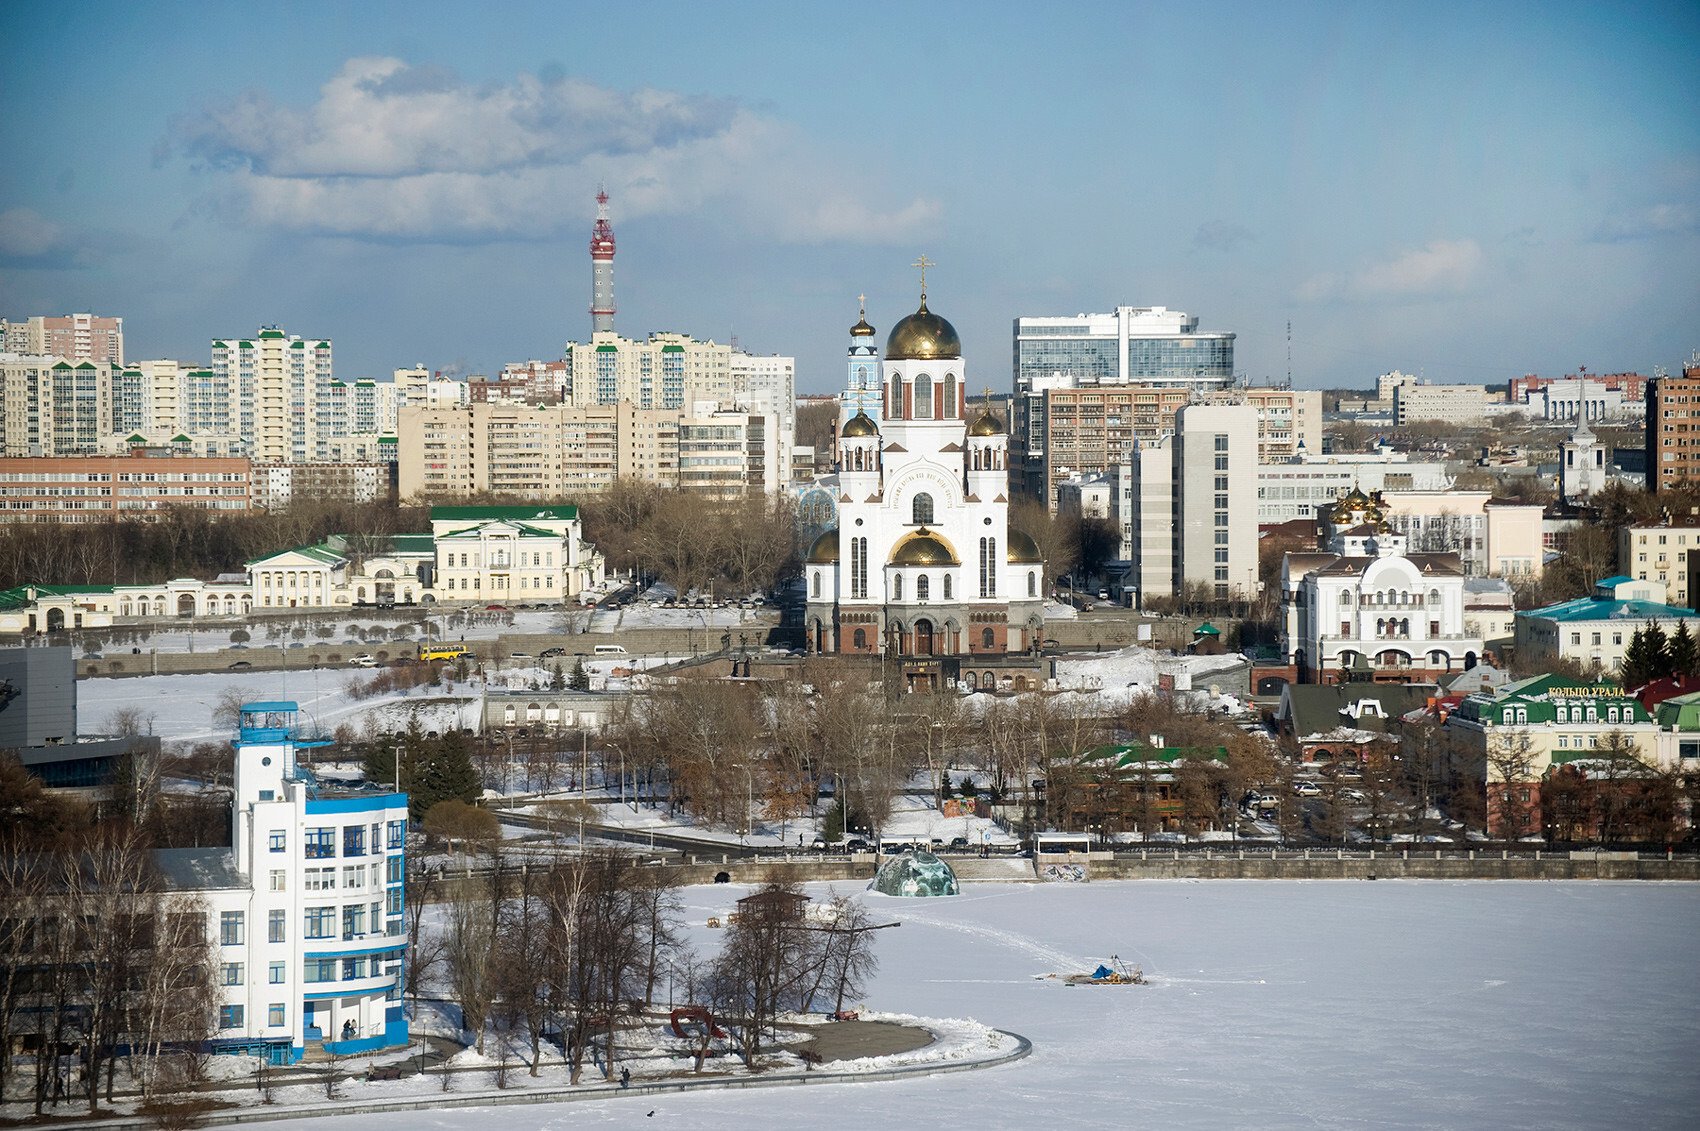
(441, 651)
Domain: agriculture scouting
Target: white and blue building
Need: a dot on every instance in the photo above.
(306, 904)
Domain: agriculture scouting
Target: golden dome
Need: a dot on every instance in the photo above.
(923, 336)
(986, 425)
(860, 425)
(825, 549)
(923, 547)
(862, 329)
(1022, 548)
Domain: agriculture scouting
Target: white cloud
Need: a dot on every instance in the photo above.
(1441, 267)
(391, 151)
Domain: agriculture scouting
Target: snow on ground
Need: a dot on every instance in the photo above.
(182, 706)
(1273, 1004)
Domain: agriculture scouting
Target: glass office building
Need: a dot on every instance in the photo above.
(1136, 345)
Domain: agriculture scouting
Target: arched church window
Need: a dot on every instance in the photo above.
(894, 410)
(950, 396)
(923, 397)
(921, 510)
(817, 583)
(988, 638)
(1032, 584)
(921, 588)
(1346, 599)
(897, 587)
(860, 638)
(947, 586)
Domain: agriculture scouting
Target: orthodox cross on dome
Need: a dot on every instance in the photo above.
(862, 304)
(923, 263)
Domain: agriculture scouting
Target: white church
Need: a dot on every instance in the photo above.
(1369, 610)
(923, 566)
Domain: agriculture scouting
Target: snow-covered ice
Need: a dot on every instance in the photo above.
(1273, 1004)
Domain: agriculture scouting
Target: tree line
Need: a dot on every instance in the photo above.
(575, 953)
(186, 542)
(99, 954)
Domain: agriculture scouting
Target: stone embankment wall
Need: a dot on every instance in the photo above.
(1395, 864)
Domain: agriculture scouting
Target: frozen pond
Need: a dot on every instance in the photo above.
(1274, 1004)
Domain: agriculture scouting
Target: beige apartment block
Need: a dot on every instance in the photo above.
(77, 337)
(532, 451)
(53, 407)
(1490, 537)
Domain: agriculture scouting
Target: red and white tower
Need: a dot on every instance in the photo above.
(602, 268)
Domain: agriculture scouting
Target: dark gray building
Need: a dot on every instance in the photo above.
(38, 719)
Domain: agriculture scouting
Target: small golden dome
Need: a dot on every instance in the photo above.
(860, 425)
(923, 336)
(825, 549)
(862, 329)
(1022, 548)
(923, 547)
(986, 425)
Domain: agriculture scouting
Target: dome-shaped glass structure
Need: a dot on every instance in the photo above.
(915, 873)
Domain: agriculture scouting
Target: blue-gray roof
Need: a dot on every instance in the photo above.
(198, 869)
(1598, 608)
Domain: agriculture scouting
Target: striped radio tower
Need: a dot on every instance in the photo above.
(602, 267)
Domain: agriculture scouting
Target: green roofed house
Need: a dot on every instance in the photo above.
(1114, 789)
(1517, 733)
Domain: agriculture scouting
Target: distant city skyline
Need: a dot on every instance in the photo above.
(1460, 192)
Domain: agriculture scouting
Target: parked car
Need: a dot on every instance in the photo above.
(856, 844)
(364, 660)
(240, 665)
(959, 844)
(1307, 789)
(495, 607)
(548, 652)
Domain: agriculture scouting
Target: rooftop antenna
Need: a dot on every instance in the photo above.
(1289, 353)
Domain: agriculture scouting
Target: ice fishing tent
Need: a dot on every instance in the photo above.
(915, 873)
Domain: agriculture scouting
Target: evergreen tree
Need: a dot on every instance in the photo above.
(1647, 657)
(557, 681)
(379, 764)
(580, 680)
(448, 775)
(1682, 653)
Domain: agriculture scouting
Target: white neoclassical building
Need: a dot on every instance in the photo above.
(923, 566)
(1369, 609)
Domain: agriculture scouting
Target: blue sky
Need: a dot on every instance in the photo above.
(1472, 191)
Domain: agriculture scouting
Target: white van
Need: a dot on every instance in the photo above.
(608, 650)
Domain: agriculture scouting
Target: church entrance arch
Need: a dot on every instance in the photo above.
(923, 637)
(185, 604)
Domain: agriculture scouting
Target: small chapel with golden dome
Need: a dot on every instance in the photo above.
(923, 564)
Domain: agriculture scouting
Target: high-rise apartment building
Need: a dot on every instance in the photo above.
(1673, 430)
(672, 371)
(268, 389)
(53, 407)
(73, 337)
